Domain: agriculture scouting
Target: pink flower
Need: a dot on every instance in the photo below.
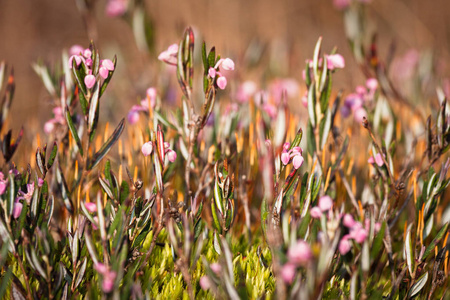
(108, 281)
(297, 161)
(87, 53)
(116, 8)
(227, 64)
(103, 72)
(170, 55)
(348, 221)
(345, 245)
(325, 203)
(147, 148)
(212, 72)
(89, 80)
(379, 160)
(372, 84)
(377, 227)
(90, 207)
(2, 186)
(341, 4)
(151, 93)
(246, 90)
(171, 155)
(285, 158)
(300, 253)
(77, 60)
(28, 195)
(371, 160)
(359, 234)
(17, 210)
(360, 114)
(100, 268)
(133, 117)
(49, 126)
(222, 82)
(108, 64)
(315, 212)
(288, 272)
(335, 61)
(76, 50)
(40, 182)
(205, 283)
(216, 268)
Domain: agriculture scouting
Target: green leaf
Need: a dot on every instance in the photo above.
(311, 140)
(52, 157)
(79, 76)
(211, 58)
(98, 156)
(5, 282)
(435, 241)
(73, 130)
(312, 105)
(205, 59)
(377, 242)
(325, 127)
(94, 111)
(216, 222)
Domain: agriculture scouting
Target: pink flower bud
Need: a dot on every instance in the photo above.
(372, 84)
(108, 281)
(170, 55)
(315, 212)
(49, 126)
(377, 227)
(133, 117)
(371, 160)
(325, 203)
(288, 272)
(89, 62)
(297, 161)
(222, 82)
(40, 182)
(151, 93)
(348, 221)
(75, 50)
(359, 234)
(285, 158)
(171, 155)
(216, 268)
(345, 245)
(2, 186)
(116, 8)
(89, 80)
(300, 253)
(108, 64)
(379, 160)
(147, 148)
(335, 61)
(100, 268)
(17, 210)
(359, 114)
(87, 53)
(77, 60)
(212, 72)
(227, 64)
(205, 283)
(286, 146)
(103, 72)
(298, 150)
(90, 207)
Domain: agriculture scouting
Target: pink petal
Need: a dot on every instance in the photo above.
(371, 160)
(297, 161)
(147, 148)
(285, 158)
(335, 61)
(288, 272)
(216, 268)
(108, 64)
(212, 72)
(89, 80)
(76, 50)
(300, 253)
(103, 72)
(205, 283)
(17, 210)
(87, 53)
(133, 117)
(344, 245)
(315, 212)
(348, 221)
(172, 156)
(222, 82)
(90, 207)
(379, 160)
(227, 64)
(325, 203)
(372, 84)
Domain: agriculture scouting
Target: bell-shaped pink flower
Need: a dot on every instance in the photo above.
(227, 64)
(76, 50)
(171, 155)
(379, 160)
(300, 253)
(77, 60)
(285, 158)
(344, 245)
(147, 148)
(288, 272)
(89, 81)
(91, 207)
(359, 234)
(222, 82)
(87, 53)
(335, 61)
(170, 55)
(297, 161)
(372, 84)
(348, 221)
(108, 64)
(133, 117)
(212, 72)
(49, 126)
(325, 203)
(216, 268)
(315, 212)
(100, 268)
(103, 72)
(17, 209)
(108, 281)
(205, 283)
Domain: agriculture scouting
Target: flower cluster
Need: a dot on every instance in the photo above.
(354, 103)
(108, 277)
(298, 254)
(58, 118)
(133, 114)
(147, 150)
(294, 154)
(325, 204)
(214, 72)
(357, 232)
(169, 56)
(85, 57)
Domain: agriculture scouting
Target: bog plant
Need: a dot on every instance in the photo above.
(217, 198)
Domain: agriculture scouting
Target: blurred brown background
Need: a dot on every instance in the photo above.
(41, 29)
